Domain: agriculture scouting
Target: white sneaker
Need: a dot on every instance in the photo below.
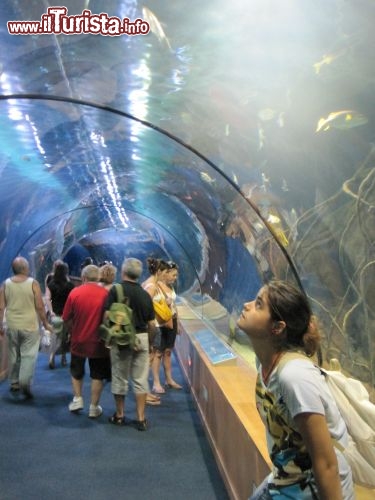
(76, 404)
(95, 411)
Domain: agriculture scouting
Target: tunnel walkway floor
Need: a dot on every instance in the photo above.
(47, 452)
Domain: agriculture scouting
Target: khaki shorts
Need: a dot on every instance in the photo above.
(131, 367)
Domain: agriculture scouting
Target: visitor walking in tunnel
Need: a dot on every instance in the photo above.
(132, 366)
(82, 314)
(21, 300)
(301, 418)
(58, 287)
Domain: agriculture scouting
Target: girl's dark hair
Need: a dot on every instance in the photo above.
(153, 265)
(87, 262)
(167, 265)
(289, 304)
(171, 264)
(60, 271)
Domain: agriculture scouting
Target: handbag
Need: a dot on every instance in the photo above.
(45, 340)
(58, 325)
(162, 310)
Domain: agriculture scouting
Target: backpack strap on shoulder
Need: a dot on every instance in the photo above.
(288, 356)
(119, 293)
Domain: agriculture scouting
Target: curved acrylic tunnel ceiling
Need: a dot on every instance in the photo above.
(103, 186)
(236, 138)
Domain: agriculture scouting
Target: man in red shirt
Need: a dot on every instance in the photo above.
(82, 314)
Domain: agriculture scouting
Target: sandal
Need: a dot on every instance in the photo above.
(141, 425)
(158, 389)
(116, 420)
(154, 397)
(153, 402)
(174, 385)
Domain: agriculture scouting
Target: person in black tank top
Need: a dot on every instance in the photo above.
(58, 287)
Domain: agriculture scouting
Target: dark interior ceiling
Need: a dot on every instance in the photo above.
(235, 138)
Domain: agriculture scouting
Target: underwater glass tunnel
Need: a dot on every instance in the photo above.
(234, 138)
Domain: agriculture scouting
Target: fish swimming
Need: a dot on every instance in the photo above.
(326, 60)
(207, 178)
(341, 120)
(155, 26)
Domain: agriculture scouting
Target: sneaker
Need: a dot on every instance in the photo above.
(76, 404)
(95, 411)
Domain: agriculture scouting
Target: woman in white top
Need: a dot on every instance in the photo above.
(168, 331)
(156, 268)
(294, 401)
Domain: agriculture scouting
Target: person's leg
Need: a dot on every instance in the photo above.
(29, 347)
(100, 370)
(120, 405)
(77, 372)
(77, 385)
(140, 400)
(156, 362)
(152, 399)
(139, 375)
(167, 363)
(167, 359)
(95, 410)
(96, 391)
(13, 359)
(120, 363)
(157, 388)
